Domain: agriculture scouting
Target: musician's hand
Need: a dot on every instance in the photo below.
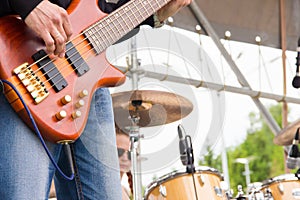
(171, 8)
(52, 24)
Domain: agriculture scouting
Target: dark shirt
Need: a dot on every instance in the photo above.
(24, 7)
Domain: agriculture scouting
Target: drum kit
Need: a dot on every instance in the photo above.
(143, 108)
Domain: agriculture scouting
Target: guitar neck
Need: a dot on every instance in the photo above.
(114, 26)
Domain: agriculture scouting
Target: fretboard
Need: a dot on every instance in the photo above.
(111, 28)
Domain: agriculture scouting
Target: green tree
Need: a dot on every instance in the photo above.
(266, 159)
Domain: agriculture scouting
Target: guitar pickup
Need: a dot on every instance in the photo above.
(50, 71)
(75, 59)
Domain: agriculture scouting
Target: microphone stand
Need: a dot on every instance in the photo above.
(135, 136)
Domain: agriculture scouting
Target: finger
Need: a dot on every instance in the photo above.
(49, 42)
(67, 28)
(66, 24)
(59, 41)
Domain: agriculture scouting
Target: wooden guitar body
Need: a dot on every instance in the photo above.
(59, 117)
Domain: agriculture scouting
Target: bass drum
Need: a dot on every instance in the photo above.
(180, 185)
(284, 187)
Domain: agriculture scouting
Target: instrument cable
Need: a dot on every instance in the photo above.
(1, 87)
(190, 166)
(195, 189)
(71, 177)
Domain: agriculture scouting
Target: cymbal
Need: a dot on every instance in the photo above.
(287, 134)
(153, 107)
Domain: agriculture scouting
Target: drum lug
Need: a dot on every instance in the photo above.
(296, 193)
(163, 191)
(201, 179)
(281, 188)
(268, 193)
(218, 191)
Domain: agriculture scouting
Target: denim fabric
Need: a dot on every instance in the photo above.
(26, 171)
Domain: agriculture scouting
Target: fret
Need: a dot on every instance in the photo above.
(99, 42)
(114, 29)
(153, 9)
(108, 32)
(111, 28)
(144, 9)
(117, 25)
(128, 17)
(89, 35)
(103, 42)
(139, 11)
(123, 20)
(136, 15)
(102, 35)
(96, 38)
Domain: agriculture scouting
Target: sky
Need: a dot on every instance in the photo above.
(215, 114)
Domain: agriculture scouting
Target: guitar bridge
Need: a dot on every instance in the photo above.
(31, 82)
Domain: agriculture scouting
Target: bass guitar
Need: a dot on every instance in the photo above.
(58, 91)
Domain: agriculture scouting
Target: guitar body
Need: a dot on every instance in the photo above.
(17, 45)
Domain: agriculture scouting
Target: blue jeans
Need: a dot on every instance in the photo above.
(26, 171)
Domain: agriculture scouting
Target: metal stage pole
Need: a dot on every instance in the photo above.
(218, 87)
(210, 31)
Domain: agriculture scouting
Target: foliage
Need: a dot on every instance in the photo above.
(266, 160)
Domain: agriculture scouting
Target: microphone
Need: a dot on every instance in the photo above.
(291, 161)
(296, 80)
(182, 145)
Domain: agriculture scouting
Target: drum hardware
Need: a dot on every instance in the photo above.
(296, 193)
(156, 107)
(268, 194)
(179, 185)
(144, 109)
(190, 168)
(218, 191)
(280, 188)
(163, 191)
(229, 193)
(134, 135)
(201, 179)
(286, 135)
(240, 194)
(240, 191)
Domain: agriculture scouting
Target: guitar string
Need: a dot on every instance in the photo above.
(77, 37)
(95, 25)
(41, 138)
(85, 31)
(112, 15)
(103, 20)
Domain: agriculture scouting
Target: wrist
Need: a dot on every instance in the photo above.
(157, 22)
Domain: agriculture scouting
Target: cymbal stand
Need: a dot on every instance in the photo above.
(134, 135)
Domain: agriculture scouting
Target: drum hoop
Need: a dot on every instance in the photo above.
(277, 179)
(178, 173)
